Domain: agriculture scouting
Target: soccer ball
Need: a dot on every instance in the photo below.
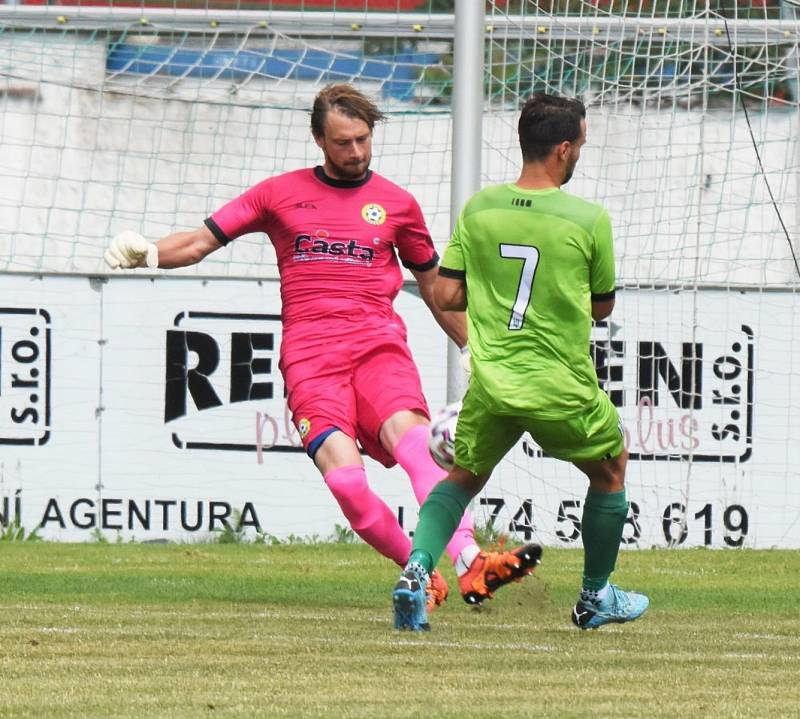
(442, 436)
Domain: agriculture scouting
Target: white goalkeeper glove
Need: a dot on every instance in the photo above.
(129, 249)
(465, 360)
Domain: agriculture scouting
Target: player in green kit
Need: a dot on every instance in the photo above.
(532, 266)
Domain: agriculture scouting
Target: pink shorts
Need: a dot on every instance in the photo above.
(353, 383)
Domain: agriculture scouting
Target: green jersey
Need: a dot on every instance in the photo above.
(533, 261)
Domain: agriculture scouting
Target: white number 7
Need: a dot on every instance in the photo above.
(530, 255)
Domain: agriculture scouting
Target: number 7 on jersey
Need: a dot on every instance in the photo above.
(530, 257)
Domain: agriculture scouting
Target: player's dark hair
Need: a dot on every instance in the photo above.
(345, 99)
(546, 121)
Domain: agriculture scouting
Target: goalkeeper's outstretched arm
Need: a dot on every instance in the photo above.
(129, 249)
(186, 248)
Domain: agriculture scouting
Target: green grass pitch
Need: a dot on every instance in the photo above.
(132, 630)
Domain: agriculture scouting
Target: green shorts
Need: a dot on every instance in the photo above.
(483, 438)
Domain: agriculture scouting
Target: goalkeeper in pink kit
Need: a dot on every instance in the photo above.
(340, 232)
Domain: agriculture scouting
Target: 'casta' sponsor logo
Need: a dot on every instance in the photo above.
(321, 247)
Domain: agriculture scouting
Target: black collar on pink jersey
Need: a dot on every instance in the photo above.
(320, 174)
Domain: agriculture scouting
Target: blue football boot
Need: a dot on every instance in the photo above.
(616, 607)
(410, 599)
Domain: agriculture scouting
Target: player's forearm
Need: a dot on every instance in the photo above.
(454, 324)
(181, 249)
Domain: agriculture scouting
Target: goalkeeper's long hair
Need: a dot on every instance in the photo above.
(345, 99)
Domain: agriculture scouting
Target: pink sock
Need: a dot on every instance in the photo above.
(369, 516)
(412, 454)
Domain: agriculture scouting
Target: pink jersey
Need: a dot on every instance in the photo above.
(337, 242)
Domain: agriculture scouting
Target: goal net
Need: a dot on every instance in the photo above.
(693, 122)
(114, 116)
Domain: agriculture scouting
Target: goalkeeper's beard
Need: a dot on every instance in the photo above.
(351, 170)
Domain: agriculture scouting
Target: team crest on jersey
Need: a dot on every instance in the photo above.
(373, 213)
(304, 427)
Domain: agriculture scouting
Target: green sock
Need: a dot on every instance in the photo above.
(602, 524)
(438, 518)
